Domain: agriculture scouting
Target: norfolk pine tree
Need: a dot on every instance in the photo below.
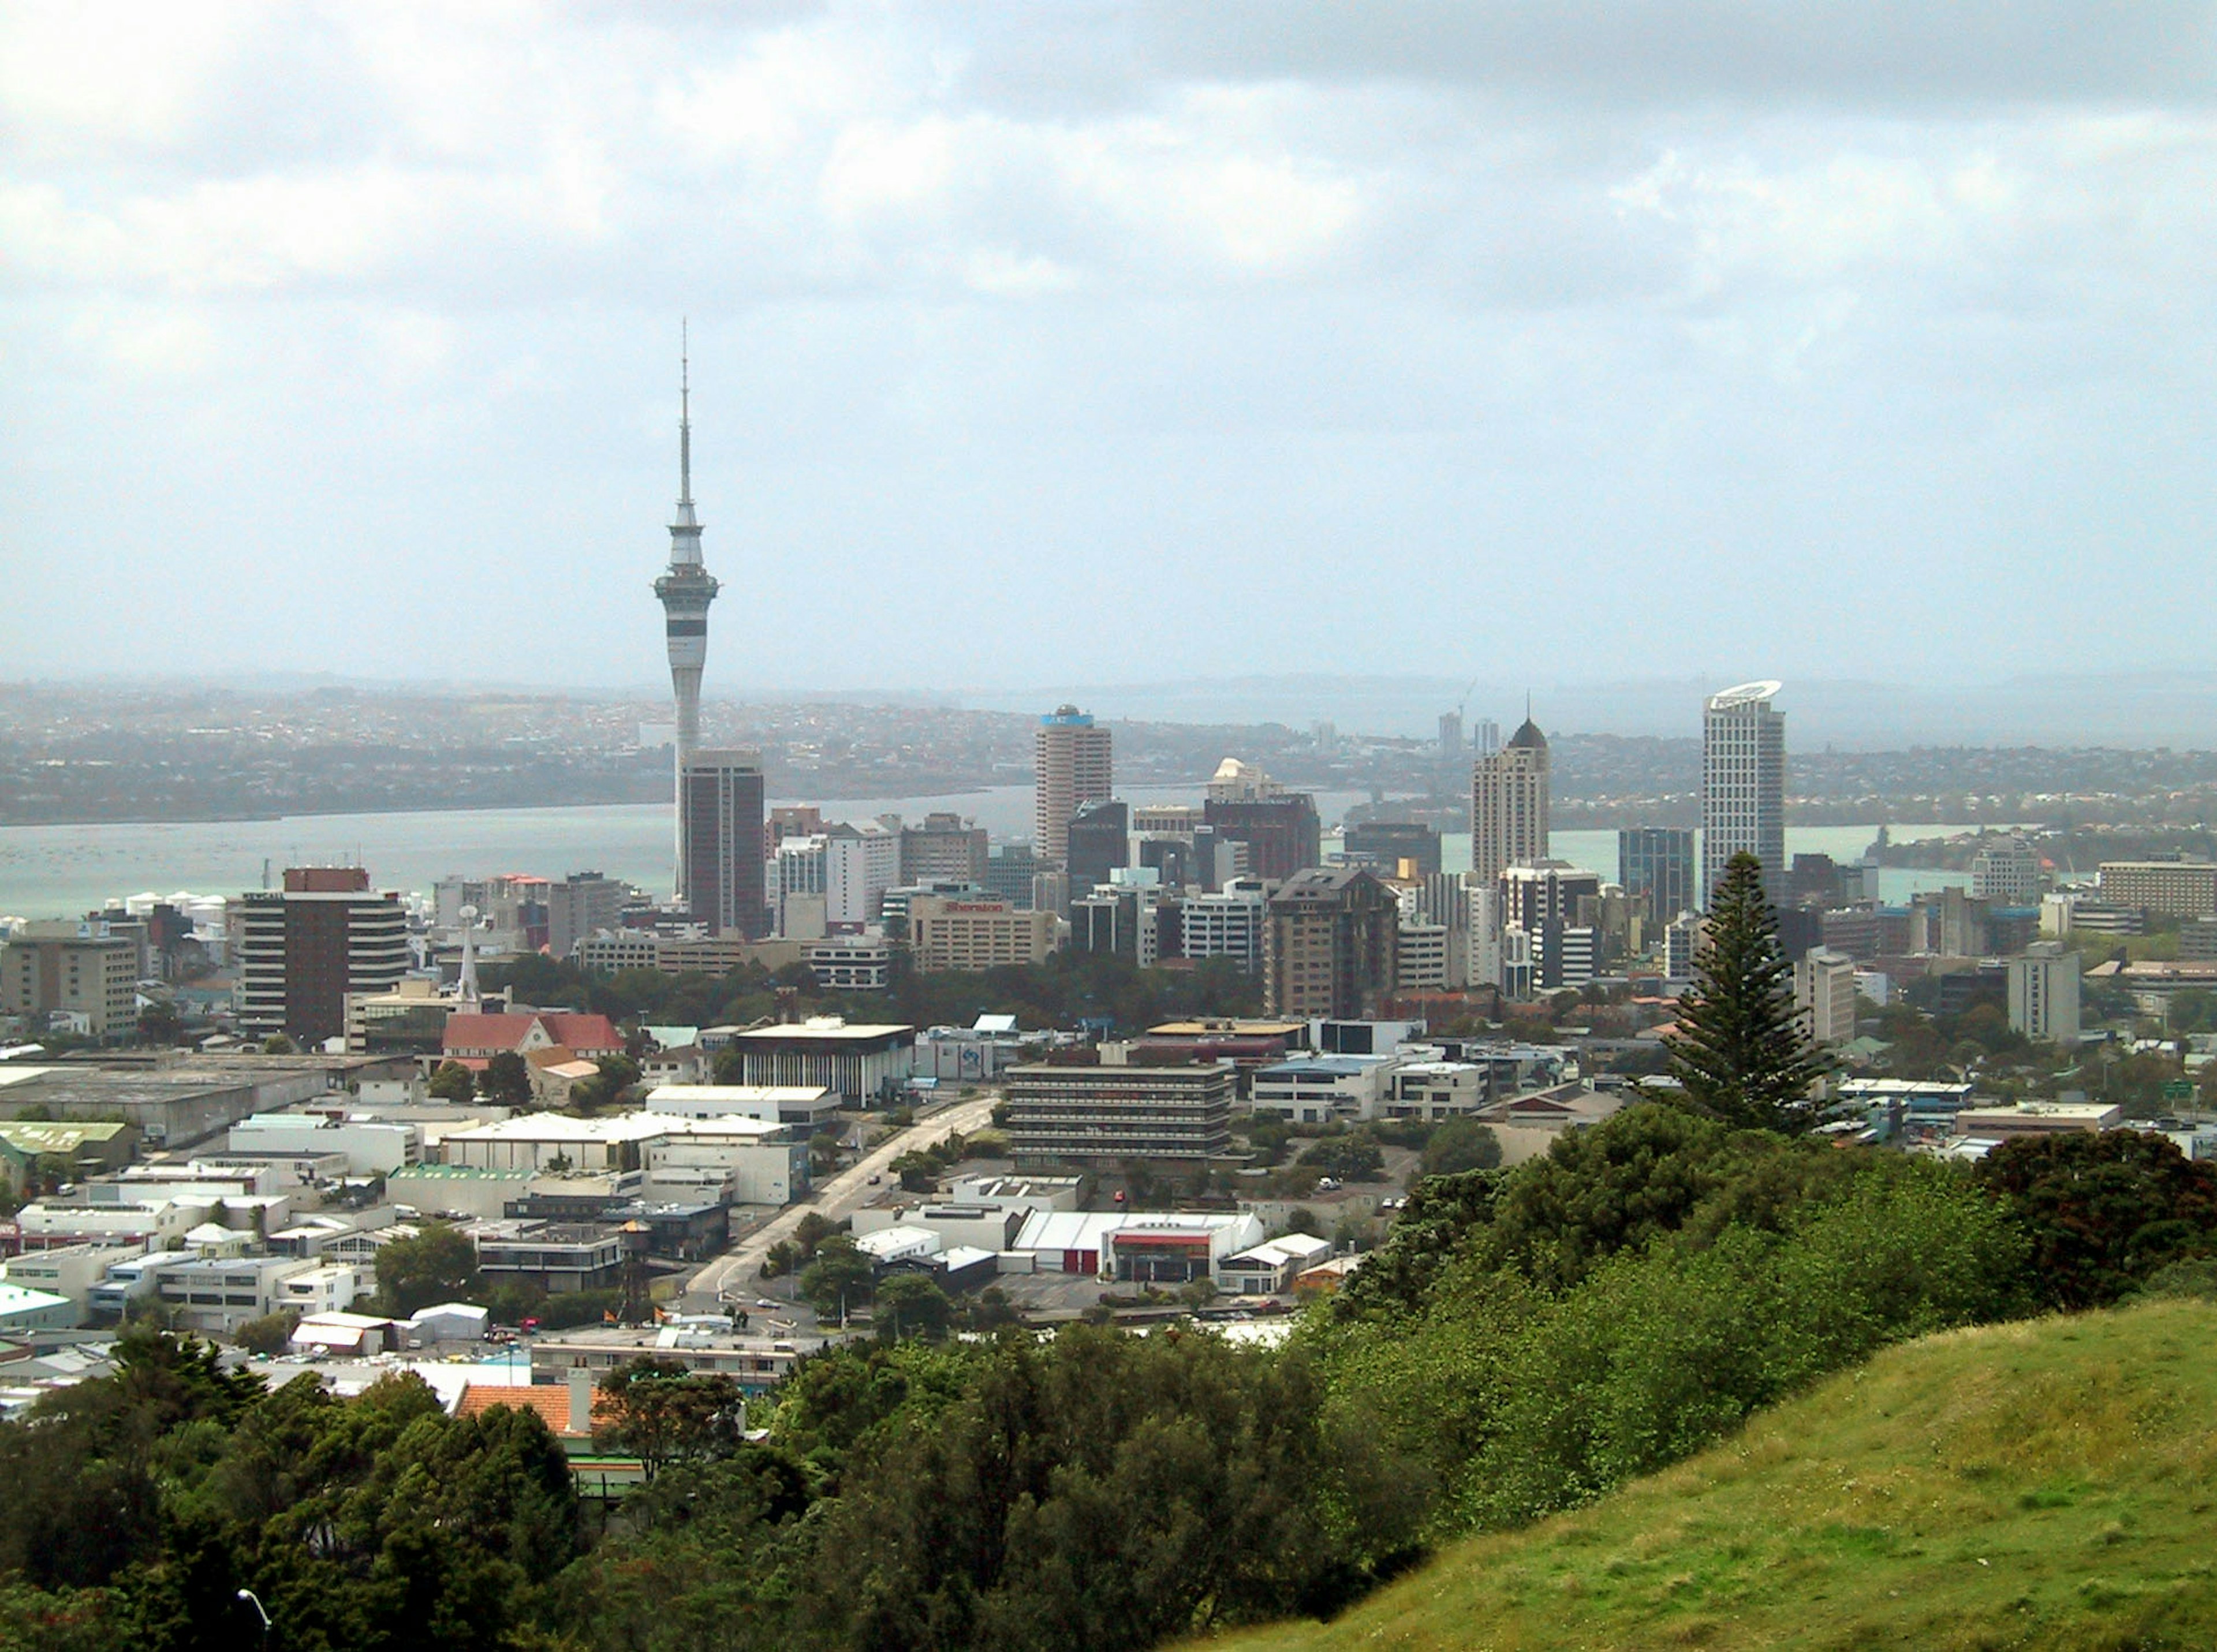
(1739, 1047)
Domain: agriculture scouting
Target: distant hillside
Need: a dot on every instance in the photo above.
(2045, 1484)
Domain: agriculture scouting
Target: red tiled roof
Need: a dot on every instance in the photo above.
(486, 1032)
(551, 1401)
(583, 1034)
(586, 1034)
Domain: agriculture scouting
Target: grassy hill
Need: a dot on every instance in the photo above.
(2049, 1484)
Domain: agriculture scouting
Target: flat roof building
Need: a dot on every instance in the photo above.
(861, 1063)
(1103, 1116)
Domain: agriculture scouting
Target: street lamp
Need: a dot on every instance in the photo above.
(260, 1611)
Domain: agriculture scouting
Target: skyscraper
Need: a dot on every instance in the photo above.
(1744, 785)
(685, 589)
(720, 829)
(1508, 802)
(1072, 761)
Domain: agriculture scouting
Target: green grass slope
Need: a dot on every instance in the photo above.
(2048, 1484)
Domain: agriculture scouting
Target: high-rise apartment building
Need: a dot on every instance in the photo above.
(685, 590)
(1744, 787)
(2043, 994)
(2007, 872)
(1508, 804)
(861, 863)
(581, 903)
(1658, 862)
(945, 845)
(719, 833)
(1073, 765)
(80, 970)
(1824, 993)
(1228, 924)
(1329, 945)
(304, 948)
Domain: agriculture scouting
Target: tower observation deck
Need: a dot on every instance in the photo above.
(685, 589)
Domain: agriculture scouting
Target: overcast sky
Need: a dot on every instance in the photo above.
(1085, 342)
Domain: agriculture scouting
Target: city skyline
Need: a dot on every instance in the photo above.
(1659, 322)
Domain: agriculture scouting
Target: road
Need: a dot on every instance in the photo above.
(738, 1270)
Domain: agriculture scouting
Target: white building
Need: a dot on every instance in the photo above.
(861, 863)
(1824, 993)
(371, 1149)
(1432, 1090)
(1421, 957)
(1229, 924)
(850, 963)
(2043, 994)
(542, 1141)
(806, 1107)
(1320, 1089)
(331, 1288)
(794, 881)
(1744, 787)
(745, 1160)
(221, 1293)
(1269, 1269)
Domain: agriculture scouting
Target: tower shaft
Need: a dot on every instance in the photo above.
(685, 590)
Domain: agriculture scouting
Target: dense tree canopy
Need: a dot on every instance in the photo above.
(2105, 1212)
(439, 1264)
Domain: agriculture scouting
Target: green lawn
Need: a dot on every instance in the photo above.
(2047, 1484)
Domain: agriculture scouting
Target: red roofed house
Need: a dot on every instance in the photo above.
(477, 1039)
(569, 1409)
(559, 1046)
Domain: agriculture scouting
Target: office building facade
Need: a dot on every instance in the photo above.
(1744, 787)
(719, 820)
(77, 970)
(1280, 833)
(1658, 862)
(304, 948)
(1165, 1117)
(945, 845)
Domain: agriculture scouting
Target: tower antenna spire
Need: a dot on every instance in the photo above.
(685, 411)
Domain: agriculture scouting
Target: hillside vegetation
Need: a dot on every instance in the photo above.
(2045, 1483)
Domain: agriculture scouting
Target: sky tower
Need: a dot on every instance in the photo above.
(685, 589)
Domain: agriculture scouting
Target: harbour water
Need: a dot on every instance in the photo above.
(67, 870)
